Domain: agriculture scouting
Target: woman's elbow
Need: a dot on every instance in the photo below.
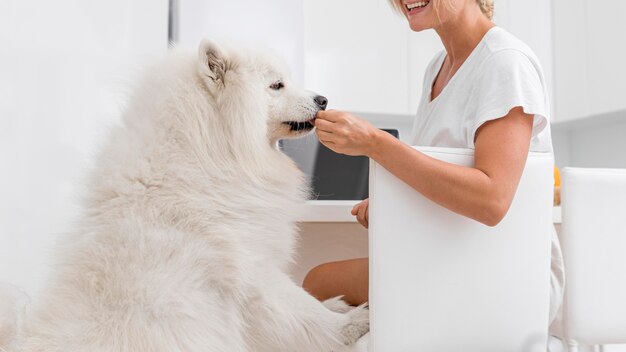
(494, 212)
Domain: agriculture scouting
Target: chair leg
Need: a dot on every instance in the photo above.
(572, 346)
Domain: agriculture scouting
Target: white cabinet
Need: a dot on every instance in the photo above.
(363, 56)
(606, 55)
(589, 56)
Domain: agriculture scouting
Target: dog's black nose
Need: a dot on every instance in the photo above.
(321, 101)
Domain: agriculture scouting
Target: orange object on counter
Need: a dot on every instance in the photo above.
(557, 186)
(557, 177)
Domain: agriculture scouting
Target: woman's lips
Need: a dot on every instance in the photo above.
(415, 7)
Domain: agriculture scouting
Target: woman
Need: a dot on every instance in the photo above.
(485, 91)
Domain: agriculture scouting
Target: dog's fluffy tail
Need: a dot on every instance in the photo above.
(12, 304)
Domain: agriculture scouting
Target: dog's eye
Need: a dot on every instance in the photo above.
(277, 85)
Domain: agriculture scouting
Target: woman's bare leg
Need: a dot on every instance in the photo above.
(348, 278)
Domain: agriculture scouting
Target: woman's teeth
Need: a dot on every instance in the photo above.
(413, 5)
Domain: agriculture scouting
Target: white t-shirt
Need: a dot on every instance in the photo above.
(501, 73)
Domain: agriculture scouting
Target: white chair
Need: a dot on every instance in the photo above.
(441, 282)
(593, 233)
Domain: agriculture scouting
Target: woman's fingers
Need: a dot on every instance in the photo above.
(329, 131)
(362, 213)
(325, 137)
(355, 208)
(360, 217)
(323, 125)
(347, 133)
(329, 115)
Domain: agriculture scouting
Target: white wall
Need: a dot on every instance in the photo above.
(64, 68)
(277, 24)
(357, 53)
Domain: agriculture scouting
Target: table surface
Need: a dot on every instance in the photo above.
(339, 211)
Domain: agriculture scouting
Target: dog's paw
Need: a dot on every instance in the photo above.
(337, 304)
(357, 326)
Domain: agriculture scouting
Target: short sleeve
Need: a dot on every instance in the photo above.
(507, 79)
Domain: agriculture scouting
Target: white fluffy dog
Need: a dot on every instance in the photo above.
(188, 227)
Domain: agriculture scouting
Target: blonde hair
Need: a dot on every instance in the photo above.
(486, 6)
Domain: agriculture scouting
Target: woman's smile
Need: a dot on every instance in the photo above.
(415, 7)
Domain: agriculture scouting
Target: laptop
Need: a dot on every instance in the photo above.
(332, 176)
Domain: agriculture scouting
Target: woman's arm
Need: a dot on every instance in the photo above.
(483, 193)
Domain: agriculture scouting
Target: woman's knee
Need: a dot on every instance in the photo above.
(313, 281)
(348, 278)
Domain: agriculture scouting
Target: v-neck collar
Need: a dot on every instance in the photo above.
(458, 72)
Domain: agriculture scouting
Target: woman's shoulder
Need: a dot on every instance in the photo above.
(502, 47)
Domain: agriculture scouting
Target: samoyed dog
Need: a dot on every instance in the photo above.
(188, 226)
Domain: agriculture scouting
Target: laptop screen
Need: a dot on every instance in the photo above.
(332, 176)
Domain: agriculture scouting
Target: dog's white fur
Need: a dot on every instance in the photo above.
(188, 227)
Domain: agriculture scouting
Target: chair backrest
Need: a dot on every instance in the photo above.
(593, 232)
(441, 282)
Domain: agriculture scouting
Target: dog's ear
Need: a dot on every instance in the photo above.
(213, 63)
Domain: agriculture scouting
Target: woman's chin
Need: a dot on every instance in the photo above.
(418, 27)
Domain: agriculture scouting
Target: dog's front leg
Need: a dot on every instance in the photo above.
(286, 318)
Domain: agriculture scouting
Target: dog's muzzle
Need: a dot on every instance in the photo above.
(296, 126)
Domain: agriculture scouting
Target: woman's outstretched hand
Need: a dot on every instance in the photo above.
(361, 211)
(345, 133)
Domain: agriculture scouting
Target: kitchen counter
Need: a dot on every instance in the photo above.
(339, 211)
